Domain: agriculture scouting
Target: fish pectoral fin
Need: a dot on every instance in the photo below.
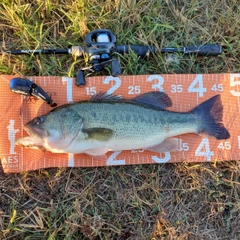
(98, 153)
(100, 134)
(168, 145)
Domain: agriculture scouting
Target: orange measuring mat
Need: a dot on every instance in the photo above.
(185, 90)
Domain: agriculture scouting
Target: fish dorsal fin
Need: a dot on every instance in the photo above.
(104, 96)
(159, 100)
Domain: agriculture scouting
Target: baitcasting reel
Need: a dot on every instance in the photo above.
(99, 45)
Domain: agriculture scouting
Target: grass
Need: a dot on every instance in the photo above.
(165, 201)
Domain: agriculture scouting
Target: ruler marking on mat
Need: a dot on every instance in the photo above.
(185, 90)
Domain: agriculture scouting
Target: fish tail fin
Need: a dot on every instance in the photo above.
(210, 114)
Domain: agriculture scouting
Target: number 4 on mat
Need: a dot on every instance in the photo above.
(197, 86)
(203, 150)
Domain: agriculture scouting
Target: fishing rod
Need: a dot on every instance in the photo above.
(101, 44)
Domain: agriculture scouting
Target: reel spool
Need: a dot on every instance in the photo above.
(99, 46)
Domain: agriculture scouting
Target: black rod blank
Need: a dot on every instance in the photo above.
(203, 50)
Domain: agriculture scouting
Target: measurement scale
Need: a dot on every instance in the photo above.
(186, 91)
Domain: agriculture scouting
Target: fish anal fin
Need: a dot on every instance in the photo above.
(168, 145)
(100, 134)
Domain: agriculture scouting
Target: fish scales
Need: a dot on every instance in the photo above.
(133, 121)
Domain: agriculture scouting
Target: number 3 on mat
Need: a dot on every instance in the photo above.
(158, 85)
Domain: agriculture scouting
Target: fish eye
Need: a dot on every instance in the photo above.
(38, 120)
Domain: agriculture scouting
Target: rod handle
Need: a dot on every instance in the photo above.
(204, 50)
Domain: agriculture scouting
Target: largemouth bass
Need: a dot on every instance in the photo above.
(109, 123)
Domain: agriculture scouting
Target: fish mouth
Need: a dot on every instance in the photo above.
(34, 131)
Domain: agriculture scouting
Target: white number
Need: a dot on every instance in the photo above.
(134, 90)
(200, 150)
(117, 81)
(217, 87)
(184, 147)
(225, 145)
(162, 160)
(91, 90)
(112, 159)
(157, 85)
(69, 88)
(176, 88)
(239, 142)
(200, 89)
(234, 83)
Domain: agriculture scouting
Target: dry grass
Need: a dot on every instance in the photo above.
(171, 201)
(166, 201)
